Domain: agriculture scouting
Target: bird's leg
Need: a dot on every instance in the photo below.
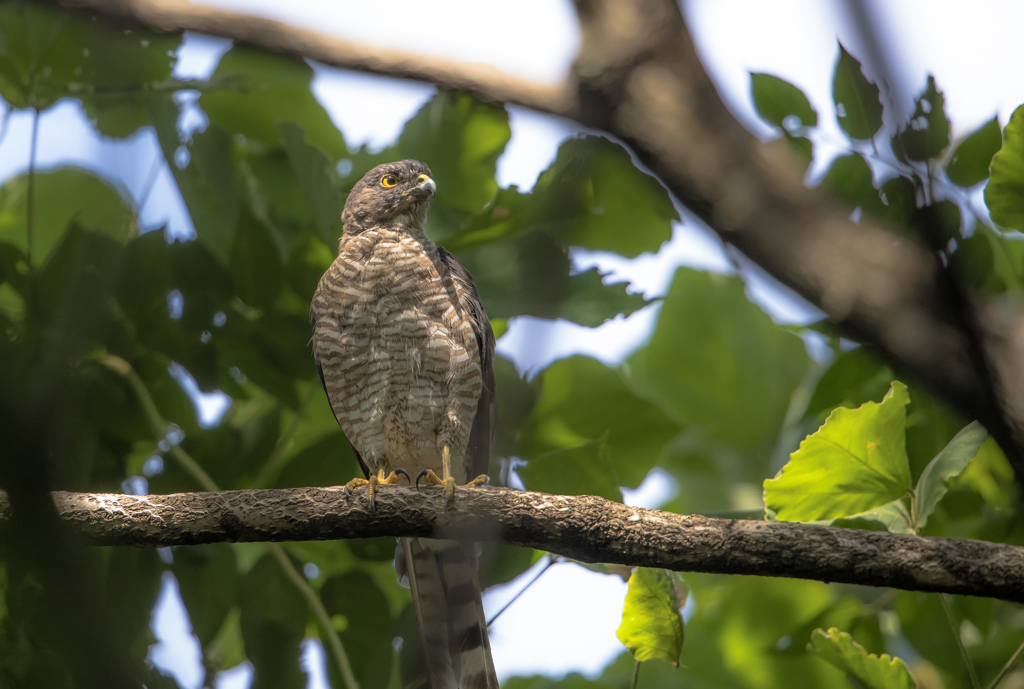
(378, 479)
(448, 481)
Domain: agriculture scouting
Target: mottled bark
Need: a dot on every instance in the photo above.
(584, 528)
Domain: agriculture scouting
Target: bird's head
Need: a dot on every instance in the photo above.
(389, 195)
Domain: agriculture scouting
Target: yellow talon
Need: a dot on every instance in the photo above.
(378, 479)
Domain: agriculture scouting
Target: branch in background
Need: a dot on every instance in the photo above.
(583, 528)
(481, 80)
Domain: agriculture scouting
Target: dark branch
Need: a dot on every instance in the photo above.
(584, 528)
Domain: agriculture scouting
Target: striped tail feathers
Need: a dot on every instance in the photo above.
(446, 596)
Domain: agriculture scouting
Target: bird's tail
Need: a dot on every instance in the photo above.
(442, 576)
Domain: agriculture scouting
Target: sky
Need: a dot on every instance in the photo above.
(967, 51)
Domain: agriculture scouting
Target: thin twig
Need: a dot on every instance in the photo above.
(191, 466)
(274, 462)
(959, 642)
(318, 609)
(551, 561)
(30, 219)
(1009, 666)
(157, 422)
(636, 674)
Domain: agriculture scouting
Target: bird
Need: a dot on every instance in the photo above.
(405, 353)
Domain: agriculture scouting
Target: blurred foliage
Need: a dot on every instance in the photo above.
(716, 401)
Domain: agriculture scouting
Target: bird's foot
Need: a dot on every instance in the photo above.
(378, 479)
(428, 476)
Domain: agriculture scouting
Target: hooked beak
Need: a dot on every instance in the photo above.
(426, 186)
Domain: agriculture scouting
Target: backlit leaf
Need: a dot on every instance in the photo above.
(651, 624)
(946, 465)
(1004, 194)
(869, 670)
(855, 462)
(62, 195)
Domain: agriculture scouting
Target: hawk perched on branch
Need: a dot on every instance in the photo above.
(406, 356)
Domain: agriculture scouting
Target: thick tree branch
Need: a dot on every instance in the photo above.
(638, 77)
(583, 528)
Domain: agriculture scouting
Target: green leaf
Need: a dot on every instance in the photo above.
(47, 54)
(893, 516)
(208, 183)
(970, 160)
(253, 91)
(273, 622)
(583, 470)
(855, 462)
(310, 167)
(927, 134)
(858, 107)
(900, 199)
(946, 465)
(529, 275)
(992, 262)
(718, 361)
(255, 262)
(207, 578)
(871, 671)
(582, 399)
(61, 196)
(651, 624)
(594, 197)
(776, 99)
(132, 588)
(853, 378)
(369, 626)
(1004, 194)
(850, 179)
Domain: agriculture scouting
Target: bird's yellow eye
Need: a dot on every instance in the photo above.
(388, 181)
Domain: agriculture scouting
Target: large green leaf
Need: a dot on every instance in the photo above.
(273, 622)
(927, 135)
(360, 610)
(869, 670)
(593, 196)
(858, 108)
(855, 462)
(310, 166)
(208, 181)
(1004, 194)
(207, 578)
(716, 360)
(946, 465)
(850, 179)
(651, 624)
(581, 400)
(583, 470)
(529, 275)
(777, 99)
(47, 54)
(252, 92)
(970, 160)
(61, 196)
